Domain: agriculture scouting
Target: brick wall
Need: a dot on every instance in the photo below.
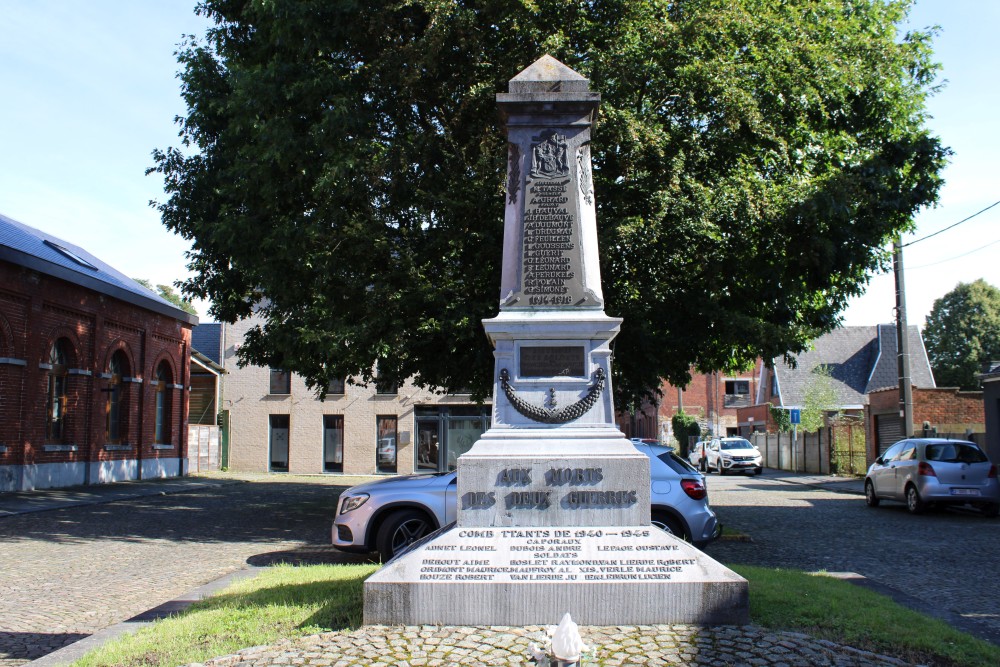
(245, 396)
(35, 311)
(947, 409)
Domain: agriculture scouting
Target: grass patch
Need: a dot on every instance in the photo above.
(287, 601)
(842, 612)
(283, 601)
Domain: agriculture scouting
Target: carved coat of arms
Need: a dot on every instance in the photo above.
(549, 156)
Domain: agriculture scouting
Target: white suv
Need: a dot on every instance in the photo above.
(732, 455)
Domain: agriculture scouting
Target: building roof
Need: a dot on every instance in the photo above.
(206, 338)
(860, 359)
(991, 373)
(34, 249)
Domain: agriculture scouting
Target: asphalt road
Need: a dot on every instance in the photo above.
(945, 562)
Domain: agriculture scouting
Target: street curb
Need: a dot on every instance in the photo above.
(73, 652)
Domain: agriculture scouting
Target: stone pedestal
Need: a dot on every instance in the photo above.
(554, 502)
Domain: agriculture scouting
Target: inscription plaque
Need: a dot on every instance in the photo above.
(537, 361)
(596, 554)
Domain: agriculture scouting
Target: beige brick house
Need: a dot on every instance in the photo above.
(277, 424)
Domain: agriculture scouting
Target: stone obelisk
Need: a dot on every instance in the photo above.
(553, 501)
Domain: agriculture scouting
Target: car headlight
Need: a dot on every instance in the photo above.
(726, 456)
(353, 502)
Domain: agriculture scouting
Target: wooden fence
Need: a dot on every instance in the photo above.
(835, 450)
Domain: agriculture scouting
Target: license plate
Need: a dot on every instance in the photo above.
(965, 492)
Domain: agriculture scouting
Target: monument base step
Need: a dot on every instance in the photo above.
(601, 575)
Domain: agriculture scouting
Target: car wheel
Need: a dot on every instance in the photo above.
(759, 471)
(914, 503)
(669, 524)
(400, 530)
(870, 498)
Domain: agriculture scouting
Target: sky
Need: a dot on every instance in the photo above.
(89, 89)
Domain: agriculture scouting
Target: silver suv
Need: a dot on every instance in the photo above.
(388, 514)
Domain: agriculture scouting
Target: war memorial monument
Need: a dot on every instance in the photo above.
(554, 502)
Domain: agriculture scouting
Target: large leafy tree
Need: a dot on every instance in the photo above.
(342, 171)
(963, 332)
(168, 293)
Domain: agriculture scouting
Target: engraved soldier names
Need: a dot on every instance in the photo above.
(548, 241)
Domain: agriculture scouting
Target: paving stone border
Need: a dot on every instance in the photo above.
(432, 646)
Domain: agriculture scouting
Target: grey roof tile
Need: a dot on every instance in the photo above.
(207, 339)
(34, 249)
(860, 359)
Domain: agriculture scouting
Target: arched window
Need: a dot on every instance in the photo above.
(117, 406)
(163, 381)
(55, 402)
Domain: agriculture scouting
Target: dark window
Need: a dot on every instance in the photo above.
(385, 452)
(164, 378)
(737, 394)
(738, 387)
(333, 443)
(279, 437)
(55, 409)
(386, 386)
(336, 386)
(116, 408)
(281, 382)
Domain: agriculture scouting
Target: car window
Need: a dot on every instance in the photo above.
(955, 452)
(893, 452)
(736, 444)
(676, 463)
(909, 452)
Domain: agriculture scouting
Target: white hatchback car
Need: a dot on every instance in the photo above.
(725, 455)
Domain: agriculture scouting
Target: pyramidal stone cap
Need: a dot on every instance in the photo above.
(548, 75)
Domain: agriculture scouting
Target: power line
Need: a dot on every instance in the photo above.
(924, 266)
(951, 226)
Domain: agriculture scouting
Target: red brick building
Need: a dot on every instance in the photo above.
(94, 369)
(712, 398)
(942, 410)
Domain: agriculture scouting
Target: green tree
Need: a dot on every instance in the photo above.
(819, 398)
(167, 292)
(342, 169)
(685, 426)
(962, 332)
(782, 420)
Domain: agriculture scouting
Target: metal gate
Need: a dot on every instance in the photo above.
(203, 448)
(889, 431)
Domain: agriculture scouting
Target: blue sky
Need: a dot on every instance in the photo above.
(89, 90)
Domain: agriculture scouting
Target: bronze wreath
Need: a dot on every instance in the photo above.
(553, 416)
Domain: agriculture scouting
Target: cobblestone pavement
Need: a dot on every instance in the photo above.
(82, 569)
(946, 560)
(377, 646)
(67, 573)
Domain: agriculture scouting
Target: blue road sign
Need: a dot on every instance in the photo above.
(796, 415)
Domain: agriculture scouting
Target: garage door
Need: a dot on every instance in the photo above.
(889, 429)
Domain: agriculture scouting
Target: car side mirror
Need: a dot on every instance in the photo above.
(879, 461)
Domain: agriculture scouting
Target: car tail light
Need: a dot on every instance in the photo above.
(993, 471)
(925, 469)
(694, 488)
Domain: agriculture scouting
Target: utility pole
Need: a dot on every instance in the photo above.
(902, 344)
